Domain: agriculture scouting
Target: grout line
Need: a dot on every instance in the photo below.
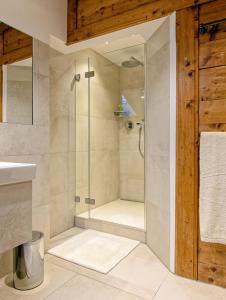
(112, 286)
(59, 287)
(160, 286)
(78, 272)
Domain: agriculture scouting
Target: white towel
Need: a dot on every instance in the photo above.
(212, 198)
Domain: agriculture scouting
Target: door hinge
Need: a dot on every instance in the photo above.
(90, 201)
(89, 74)
(77, 199)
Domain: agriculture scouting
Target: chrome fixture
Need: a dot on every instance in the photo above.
(89, 74)
(203, 28)
(77, 199)
(90, 201)
(140, 124)
(77, 77)
(129, 125)
(132, 62)
(28, 263)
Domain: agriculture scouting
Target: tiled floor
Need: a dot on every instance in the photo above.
(130, 213)
(139, 276)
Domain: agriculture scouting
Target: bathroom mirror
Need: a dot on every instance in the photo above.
(16, 80)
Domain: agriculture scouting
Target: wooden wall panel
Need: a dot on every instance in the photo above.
(212, 52)
(213, 274)
(187, 141)
(88, 18)
(212, 11)
(15, 39)
(212, 85)
(72, 16)
(16, 55)
(212, 112)
(212, 117)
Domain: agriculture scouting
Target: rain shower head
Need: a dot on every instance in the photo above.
(132, 63)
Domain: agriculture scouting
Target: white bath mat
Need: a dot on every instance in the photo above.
(95, 250)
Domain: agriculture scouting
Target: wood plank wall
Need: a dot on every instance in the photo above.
(187, 143)
(88, 18)
(14, 46)
(212, 117)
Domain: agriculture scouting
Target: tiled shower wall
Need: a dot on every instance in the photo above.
(62, 147)
(131, 162)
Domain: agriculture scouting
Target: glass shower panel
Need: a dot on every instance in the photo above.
(104, 134)
(82, 140)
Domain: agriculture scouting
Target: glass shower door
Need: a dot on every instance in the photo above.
(82, 138)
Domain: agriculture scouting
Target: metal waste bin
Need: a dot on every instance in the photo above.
(29, 263)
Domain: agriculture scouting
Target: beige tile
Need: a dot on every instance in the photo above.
(40, 100)
(55, 277)
(178, 288)
(136, 81)
(104, 134)
(141, 273)
(84, 288)
(135, 189)
(135, 164)
(81, 170)
(40, 58)
(142, 268)
(104, 101)
(81, 96)
(82, 141)
(59, 133)
(59, 217)
(104, 70)
(41, 221)
(29, 141)
(72, 170)
(40, 185)
(104, 173)
(58, 173)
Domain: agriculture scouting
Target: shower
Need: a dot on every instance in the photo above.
(132, 63)
(140, 124)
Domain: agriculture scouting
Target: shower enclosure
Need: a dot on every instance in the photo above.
(113, 116)
(109, 118)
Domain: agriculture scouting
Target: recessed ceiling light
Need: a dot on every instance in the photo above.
(106, 43)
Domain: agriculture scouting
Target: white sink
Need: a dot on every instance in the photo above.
(16, 172)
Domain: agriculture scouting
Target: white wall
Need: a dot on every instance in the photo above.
(38, 18)
(160, 141)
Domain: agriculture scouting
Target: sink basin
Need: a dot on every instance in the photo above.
(16, 172)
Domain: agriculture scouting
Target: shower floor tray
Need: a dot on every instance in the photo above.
(124, 212)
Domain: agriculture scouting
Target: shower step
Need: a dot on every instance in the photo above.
(113, 228)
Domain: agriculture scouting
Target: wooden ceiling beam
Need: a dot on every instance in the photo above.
(88, 18)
